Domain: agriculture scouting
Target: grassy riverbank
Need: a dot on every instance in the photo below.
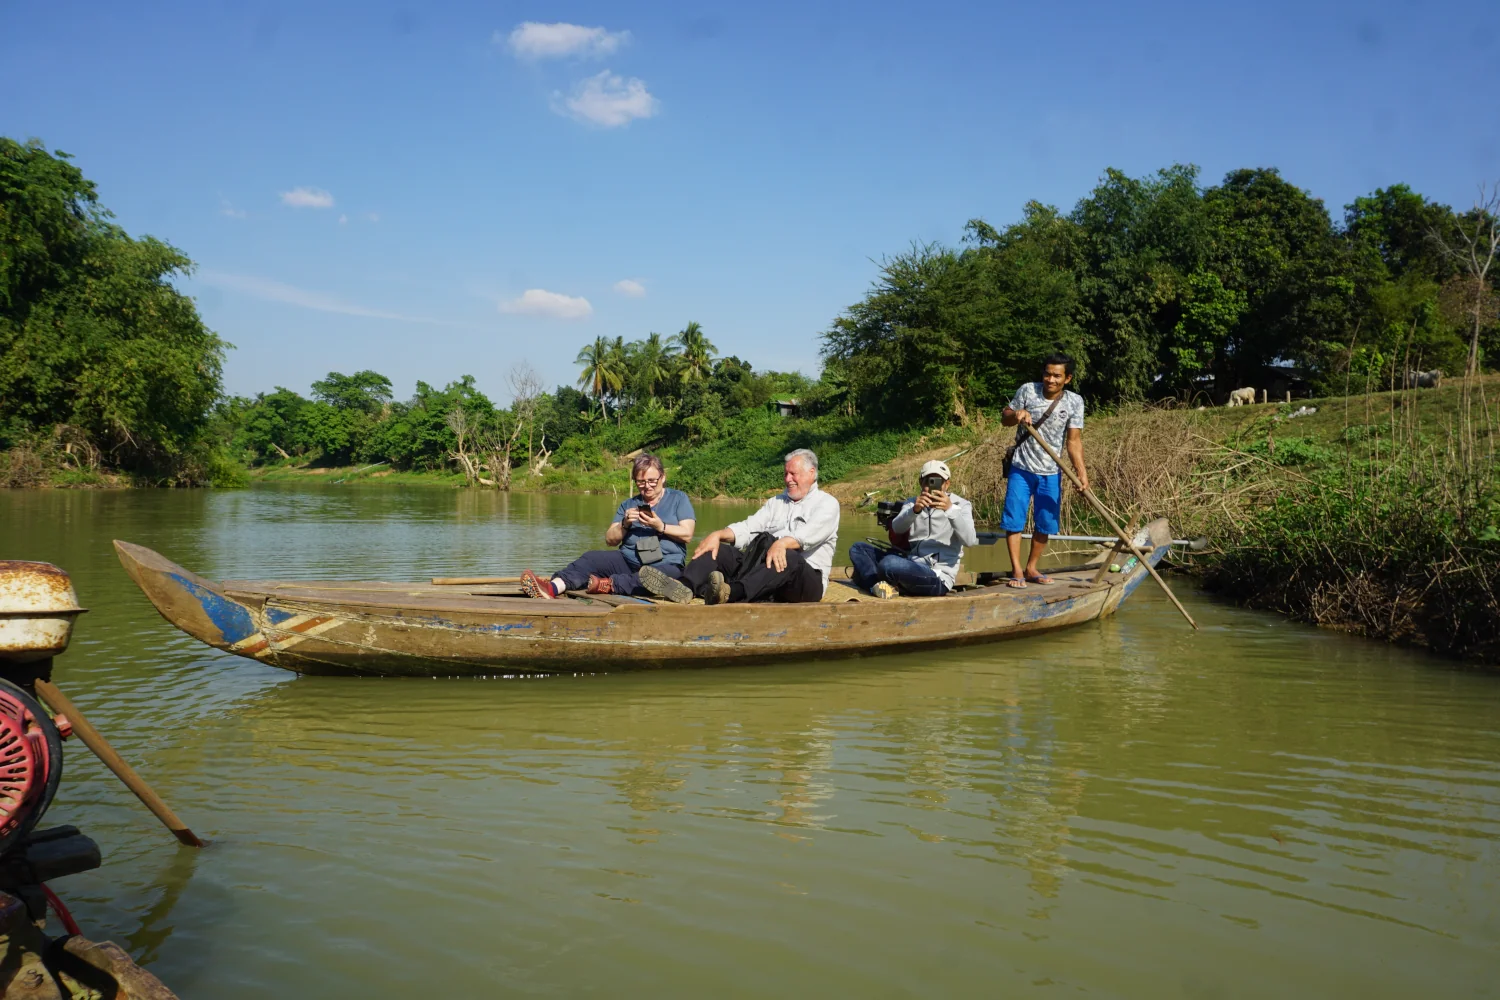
(743, 462)
(1378, 513)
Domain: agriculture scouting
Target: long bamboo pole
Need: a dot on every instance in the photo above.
(1104, 513)
(92, 739)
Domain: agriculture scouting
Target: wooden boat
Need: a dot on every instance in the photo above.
(425, 630)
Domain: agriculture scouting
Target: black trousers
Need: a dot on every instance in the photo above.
(748, 574)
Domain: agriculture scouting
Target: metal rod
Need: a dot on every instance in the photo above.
(92, 739)
(1104, 513)
(466, 581)
(995, 536)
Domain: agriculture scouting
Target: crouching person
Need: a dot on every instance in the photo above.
(650, 529)
(935, 526)
(783, 552)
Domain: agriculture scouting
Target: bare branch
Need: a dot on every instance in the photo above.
(1474, 244)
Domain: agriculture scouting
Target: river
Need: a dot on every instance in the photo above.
(1121, 809)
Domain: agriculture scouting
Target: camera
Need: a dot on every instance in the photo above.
(886, 511)
(933, 483)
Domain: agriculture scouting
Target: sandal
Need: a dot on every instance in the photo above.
(1039, 578)
(1016, 582)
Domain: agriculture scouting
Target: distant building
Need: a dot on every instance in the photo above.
(785, 407)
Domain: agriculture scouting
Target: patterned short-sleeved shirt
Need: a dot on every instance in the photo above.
(1069, 414)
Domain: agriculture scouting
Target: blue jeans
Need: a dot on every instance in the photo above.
(1019, 489)
(913, 579)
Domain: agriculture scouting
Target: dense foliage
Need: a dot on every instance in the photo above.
(101, 358)
(670, 393)
(1161, 287)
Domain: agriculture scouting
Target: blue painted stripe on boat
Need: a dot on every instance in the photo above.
(229, 617)
(276, 616)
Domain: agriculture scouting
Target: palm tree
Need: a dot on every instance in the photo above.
(695, 353)
(601, 369)
(653, 364)
(618, 362)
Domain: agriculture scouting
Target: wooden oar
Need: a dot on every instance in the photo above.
(92, 739)
(1104, 513)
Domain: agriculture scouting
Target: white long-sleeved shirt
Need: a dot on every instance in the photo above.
(813, 521)
(938, 536)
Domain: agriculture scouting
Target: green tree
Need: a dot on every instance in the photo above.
(273, 424)
(93, 333)
(603, 372)
(1398, 225)
(651, 366)
(694, 352)
(365, 391)
(1138, 241)
(1275, 244)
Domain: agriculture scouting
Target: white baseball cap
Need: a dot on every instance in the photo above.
(934, 468)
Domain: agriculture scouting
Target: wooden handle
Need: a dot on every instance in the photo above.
(1104, 513)
(92, 739)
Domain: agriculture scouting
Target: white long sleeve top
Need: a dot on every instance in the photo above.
(813, 521)
(938, 537)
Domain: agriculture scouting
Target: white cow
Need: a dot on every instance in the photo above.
(1423, 380)
(1242, 397)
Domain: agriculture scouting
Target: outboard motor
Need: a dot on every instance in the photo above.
(37, 609)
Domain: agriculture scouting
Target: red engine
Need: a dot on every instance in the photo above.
(30, 763)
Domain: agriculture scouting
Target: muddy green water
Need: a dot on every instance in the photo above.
(1122, 809)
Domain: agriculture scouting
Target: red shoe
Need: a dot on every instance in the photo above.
(600, 585)
(535, 586)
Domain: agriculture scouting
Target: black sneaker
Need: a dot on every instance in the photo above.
(664, 586)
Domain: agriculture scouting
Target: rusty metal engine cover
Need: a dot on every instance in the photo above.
(37, 609)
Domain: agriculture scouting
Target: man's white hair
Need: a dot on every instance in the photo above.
(807, 455)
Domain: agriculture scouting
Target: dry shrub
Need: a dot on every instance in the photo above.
(1144, 462)
(22, 467)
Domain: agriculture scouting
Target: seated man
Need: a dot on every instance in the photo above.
(651, 529)
(935, 525)
(787, 545)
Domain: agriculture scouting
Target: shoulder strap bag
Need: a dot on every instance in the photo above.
(1010, 453)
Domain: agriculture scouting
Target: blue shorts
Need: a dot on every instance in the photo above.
(1020, 488)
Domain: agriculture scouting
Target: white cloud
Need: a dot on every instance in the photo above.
(307, 197)
(226, 208)
(531, 40)
(540, 302)
(343, 220)
(631, 289)
(275, 291)
(608, 100)
(373, 216)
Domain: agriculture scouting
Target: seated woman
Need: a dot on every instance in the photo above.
(651, 528)
(935, 525)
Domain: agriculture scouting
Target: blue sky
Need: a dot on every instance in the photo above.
(430, 190)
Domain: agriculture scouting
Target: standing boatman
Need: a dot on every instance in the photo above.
(1035, 481)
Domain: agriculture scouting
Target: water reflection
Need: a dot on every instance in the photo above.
(1125, 807)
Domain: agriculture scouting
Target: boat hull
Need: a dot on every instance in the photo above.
(419, 630)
